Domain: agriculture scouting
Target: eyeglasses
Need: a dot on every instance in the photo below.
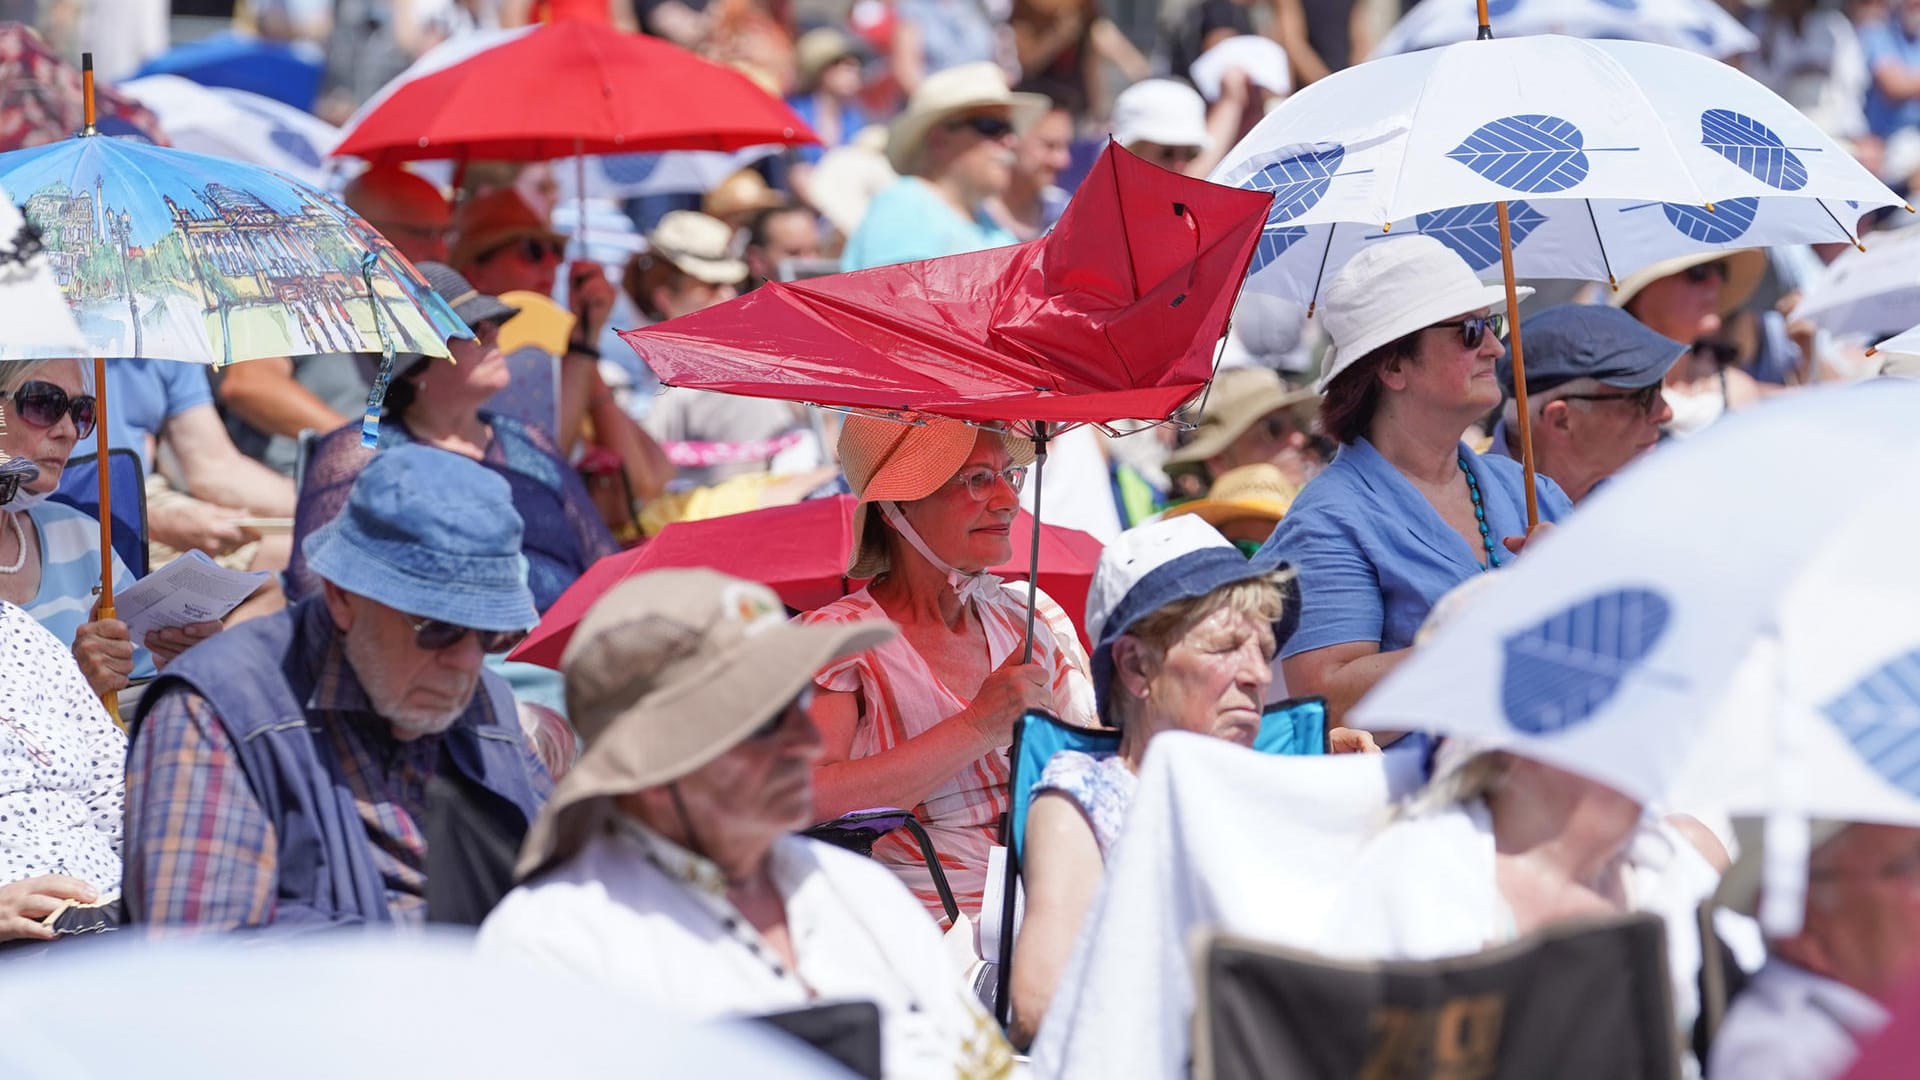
(778, 720)
(986, 125)
(979, 482)
(1175, 155)
(1277, 428)
(1706, 271)
(434, 635)
(42, 404)
(533, 249)
(13, 473)
(1723, 353)
(1475, 328)
(1645, 399)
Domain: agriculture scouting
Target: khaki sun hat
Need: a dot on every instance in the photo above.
(488, 222)
(700, 246)
(1745, 268)
(744, 193)
(1239, 398)
(900, 461)
(1259, 491)
(819, 49)
(978, 85)
(668, 671)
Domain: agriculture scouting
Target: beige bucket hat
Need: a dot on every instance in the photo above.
(978, 85)
(1745, 268)
(699, 245)
(1238, 399)
(668, 671)
(1259, 492)
(900, 461)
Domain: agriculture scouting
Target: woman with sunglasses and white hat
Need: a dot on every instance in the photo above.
(1405, 511)
(49, 551)
(923, 722)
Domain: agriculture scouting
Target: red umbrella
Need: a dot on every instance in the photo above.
(571, 87)
(798, 551)
(1114, 315)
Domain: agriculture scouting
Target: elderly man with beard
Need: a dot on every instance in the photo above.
(281, 779)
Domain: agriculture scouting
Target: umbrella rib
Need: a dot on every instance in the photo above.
(1844, 231)
(1601, 243)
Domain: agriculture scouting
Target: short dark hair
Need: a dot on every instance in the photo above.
(762, 220)
(644, 273)
(1347, 408)
(403, 391)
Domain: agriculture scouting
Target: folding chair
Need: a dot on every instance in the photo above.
(1296, 726)
(860, 830)
(80, 489)
(1585, 1000)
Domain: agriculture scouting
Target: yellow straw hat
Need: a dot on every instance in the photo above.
(900, 461)
(1258, 491)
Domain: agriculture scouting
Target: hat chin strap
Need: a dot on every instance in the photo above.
(982, 586)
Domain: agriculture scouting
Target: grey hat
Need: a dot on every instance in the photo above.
(1589, 341)
(473, 306)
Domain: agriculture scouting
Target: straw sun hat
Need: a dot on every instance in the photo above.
(957, 89)
(900, 461)
(1745, 268)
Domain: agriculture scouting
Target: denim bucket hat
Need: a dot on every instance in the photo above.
(1160, 563)
(432, 534)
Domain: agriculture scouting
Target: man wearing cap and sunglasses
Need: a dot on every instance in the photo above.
(668, 863)
(279, 773)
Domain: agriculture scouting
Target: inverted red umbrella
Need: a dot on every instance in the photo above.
(570, 87)
(1114, 315)
(798, 551)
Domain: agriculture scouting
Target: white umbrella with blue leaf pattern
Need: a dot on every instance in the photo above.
(1701, 26)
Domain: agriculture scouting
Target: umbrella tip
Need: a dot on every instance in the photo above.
(1388, 227)
(1710, 209)
(1858, 244)
(1871, 349)
(1311, 307)
(1908, 207)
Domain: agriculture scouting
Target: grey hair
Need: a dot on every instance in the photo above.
(15, 372)
(1510, 412)
(1473, 779)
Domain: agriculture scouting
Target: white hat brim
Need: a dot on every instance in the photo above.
(1426, 312)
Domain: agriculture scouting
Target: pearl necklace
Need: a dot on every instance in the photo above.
(20, 538)
(1479, 514)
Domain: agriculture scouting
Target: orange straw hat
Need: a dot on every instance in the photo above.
(900, 461)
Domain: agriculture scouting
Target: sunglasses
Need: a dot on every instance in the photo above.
(13, 473)
(774, 724)
(42, 404)
(979, 482)
(987, 127)
(1645, 399)
(1177, 155)
(1475, 328)
(534, 249)
(1705, 272)
(433, 635)
(1723, 353)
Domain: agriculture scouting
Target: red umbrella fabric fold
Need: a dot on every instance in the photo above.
(1113, 315)
(800, 552)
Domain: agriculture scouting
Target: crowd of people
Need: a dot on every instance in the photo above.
(334, 752)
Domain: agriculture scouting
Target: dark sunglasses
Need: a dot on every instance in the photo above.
(433, 635)
(1645, 399)
(1706, 271)
(534, 249)
(1179, 155)
(1475, 328)
(987, 127)
(1723, 353)
(13, 473)
(42, 404)
(779, 720)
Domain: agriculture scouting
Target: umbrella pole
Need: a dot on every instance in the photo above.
(1033, 562)
(1486, 31)
(1519, 365)
(580, 197)
(103, 607)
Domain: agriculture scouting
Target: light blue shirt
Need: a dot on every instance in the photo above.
(142, 395)
(1883, 42)
(910, 221)
(70, 571)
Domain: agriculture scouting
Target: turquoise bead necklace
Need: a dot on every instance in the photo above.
(1479, 513)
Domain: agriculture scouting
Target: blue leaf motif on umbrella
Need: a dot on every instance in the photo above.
(1497, 8)
(629, 168)
(1531, 152)
(1473, 232)
(1726, 222)
(1880, 716)
(1563, 670)
(1297, 182)
(1275, 239)
(1754, 147)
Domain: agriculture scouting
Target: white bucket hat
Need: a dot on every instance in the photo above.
(1394, 287)
(956, 89)
(1161, 111)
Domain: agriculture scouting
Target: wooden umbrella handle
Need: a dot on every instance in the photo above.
(1519, 366)
(103, 607)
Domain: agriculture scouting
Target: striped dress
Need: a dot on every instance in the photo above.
(901, 698)
(70, 571)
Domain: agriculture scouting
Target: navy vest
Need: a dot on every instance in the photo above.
(325, 863)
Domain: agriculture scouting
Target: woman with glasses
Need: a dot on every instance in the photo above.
(49, 551)
(924, 721)
(1405, 511)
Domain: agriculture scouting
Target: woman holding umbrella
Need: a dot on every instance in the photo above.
(1405, 511)
(924, 720)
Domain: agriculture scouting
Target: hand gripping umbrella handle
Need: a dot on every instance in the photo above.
(103, 607)
(1033, 563)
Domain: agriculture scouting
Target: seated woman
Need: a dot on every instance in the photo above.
(62, 782)
(666, 863)
(1185, 628)
(50, 552)
(924, 721)
(1405, 511)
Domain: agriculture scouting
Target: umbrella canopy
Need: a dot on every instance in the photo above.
(241, 126)
(800, 552)
(288, 73)
(176, 256)
(30, 303)
(41, 100)
(1611, 156)
(1868, 292)
(1113, 315)
(565, 88)
(1700, 26)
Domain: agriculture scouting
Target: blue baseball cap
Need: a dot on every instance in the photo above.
(431, 533)
(1589, 341)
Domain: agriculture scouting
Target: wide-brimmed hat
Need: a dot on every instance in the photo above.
(1156, 564)
(744, 192)
(429, 533)
(700, 246)
(488, 222)
(900, 461)
(821, 48)
(1589, 341)
(1745, 268)
(1394, 287)
(1162, 111)
(1259, 492)
(668, 671)
(473, 306)
(1238, 399)
(954, 90)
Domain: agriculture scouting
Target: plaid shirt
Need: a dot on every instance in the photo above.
(200, 850)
